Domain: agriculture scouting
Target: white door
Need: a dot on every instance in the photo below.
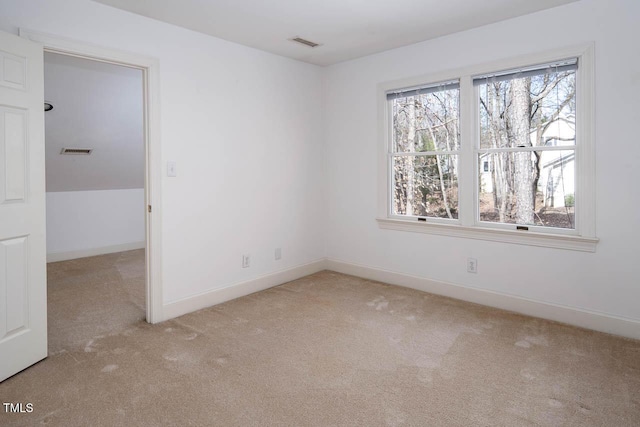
(23, 275)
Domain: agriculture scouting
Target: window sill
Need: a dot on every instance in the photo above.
(573, 243)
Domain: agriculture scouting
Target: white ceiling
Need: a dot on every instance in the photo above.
(347, 29)
(99, 106)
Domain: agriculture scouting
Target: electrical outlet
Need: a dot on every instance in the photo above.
(278, 253)
(472, 265)
(246, 261)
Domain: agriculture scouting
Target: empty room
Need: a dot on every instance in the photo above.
(319, 213)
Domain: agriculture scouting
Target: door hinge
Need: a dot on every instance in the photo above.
(149, 208)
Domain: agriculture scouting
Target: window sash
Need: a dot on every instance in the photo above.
(392, 183)
(572, 177)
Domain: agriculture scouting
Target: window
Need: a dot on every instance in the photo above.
(425, 142)
(520, 112)
(501, 152)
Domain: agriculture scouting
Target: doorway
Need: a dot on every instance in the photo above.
(95, 198)
(149, 67)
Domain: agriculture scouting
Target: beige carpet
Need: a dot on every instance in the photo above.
(324, 350)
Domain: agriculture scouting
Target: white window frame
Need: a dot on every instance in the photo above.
(582, 238)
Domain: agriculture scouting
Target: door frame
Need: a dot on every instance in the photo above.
(153, 154)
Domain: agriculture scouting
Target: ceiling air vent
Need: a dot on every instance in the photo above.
(76, 151)
(304, 42)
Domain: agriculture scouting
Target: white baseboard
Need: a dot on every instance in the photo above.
(65, 256)
(237, 290)
(597, 321)
(602, 322)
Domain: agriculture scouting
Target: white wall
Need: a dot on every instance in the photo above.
(85, 222)
(245, 128)
(606, 281)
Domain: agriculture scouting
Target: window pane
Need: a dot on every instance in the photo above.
(426, 186)
(506, 189)
(532, 111)
(426, 122)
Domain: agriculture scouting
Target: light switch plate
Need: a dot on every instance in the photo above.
(172, 169)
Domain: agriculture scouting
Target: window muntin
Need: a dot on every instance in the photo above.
(528, 134)
(425, 133)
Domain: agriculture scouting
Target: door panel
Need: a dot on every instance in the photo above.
(13, 143)
(23, 291)
(13, 287)
(13, 71)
